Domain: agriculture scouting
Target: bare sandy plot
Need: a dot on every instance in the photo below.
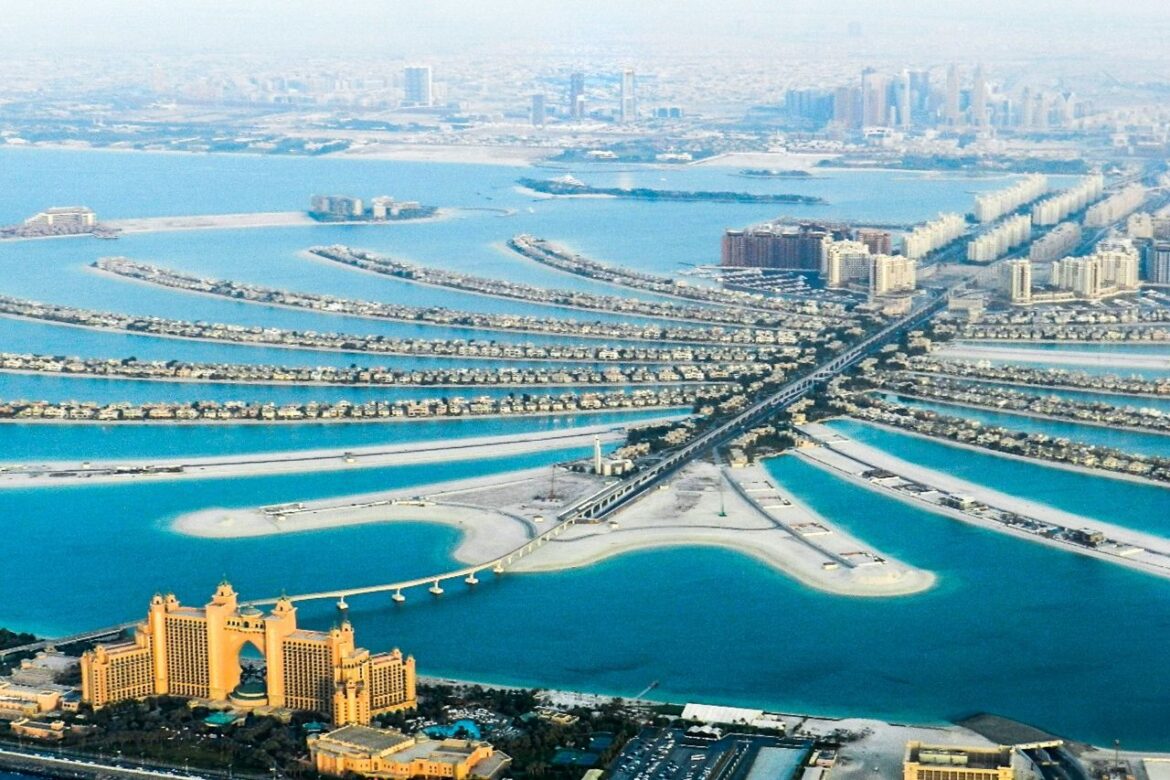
(750, 514)
(495, 515)
(57, 473)
(1065, 357)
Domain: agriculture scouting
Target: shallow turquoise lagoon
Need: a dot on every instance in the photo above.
(1144, 507)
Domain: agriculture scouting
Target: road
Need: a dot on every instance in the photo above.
(605, 502)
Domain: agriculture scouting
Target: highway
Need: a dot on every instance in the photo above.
(608, 500)
(619, 494)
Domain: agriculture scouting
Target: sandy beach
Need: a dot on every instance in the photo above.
(494, 514)
(774, 528)
(62, 473)
(512, 156)
(259, 219)
(1006, 353)
(499, 514)
(850, 459)
(781, 161)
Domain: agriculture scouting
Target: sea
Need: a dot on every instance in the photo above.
(1070, 644)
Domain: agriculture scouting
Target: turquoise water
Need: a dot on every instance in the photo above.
(451, 729)
(1161, 403)
(118, 529)
(1013, 627)
(24, 442)
(1140, 506)
(48, 387)
(1104, 436)
(1092, 358)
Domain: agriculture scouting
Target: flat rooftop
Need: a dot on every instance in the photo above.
(970, 758)
(366, 738)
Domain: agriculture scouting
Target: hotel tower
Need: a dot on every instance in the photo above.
(195, 653)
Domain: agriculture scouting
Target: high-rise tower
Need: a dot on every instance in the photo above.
(417, 87)
(978, 109)
(628, 110)
(576, 95)
(951, 100)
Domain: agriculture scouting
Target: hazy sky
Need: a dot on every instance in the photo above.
(438, 27)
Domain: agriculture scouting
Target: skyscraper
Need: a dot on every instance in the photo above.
(628, 111)
(951, 101)
(847, 106)
(904, 101)
(874, 112)
(537, 115)
(1016, 280)
(978, 110)
(417, 89)
(577, 95)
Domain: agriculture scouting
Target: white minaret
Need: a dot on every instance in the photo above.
(596, 454)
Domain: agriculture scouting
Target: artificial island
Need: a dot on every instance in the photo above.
(720, 404)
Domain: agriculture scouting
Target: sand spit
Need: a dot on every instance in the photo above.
(850, 459)
(496, 514)
(62, 473)
(260, 219)
(500, 514)
(1062, 357)
(758, 519)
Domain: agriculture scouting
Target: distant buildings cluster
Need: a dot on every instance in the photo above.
(933, 235)
(1000, 239)
(851, 264)
(1151, 234)
(911, 98)
(1056, 243)
(1115, 207)
(844, 257)
(990, 206)
(1053, 209)
(344, 208)
(1113, 268)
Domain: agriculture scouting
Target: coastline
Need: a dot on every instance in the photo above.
(237, 221)
(369, 385)
(1024, 413)
(550, 334)
(679, 413)
(471, 154)
(652, 317)
(335, 350)
(64, 473)
(686, 513)
(1085, 470)
(866, 456)
(993, 351)
(683, 515)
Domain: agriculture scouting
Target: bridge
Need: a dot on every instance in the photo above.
(610, 498)
(86, 636)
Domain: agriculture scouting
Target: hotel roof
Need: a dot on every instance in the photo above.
(366, 738)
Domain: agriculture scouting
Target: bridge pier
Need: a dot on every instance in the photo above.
(398, 597)
(436, 589)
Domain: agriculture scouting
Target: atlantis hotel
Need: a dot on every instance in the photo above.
(195, 653)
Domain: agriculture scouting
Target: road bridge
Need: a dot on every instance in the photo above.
(612, 497)
(609, 499)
